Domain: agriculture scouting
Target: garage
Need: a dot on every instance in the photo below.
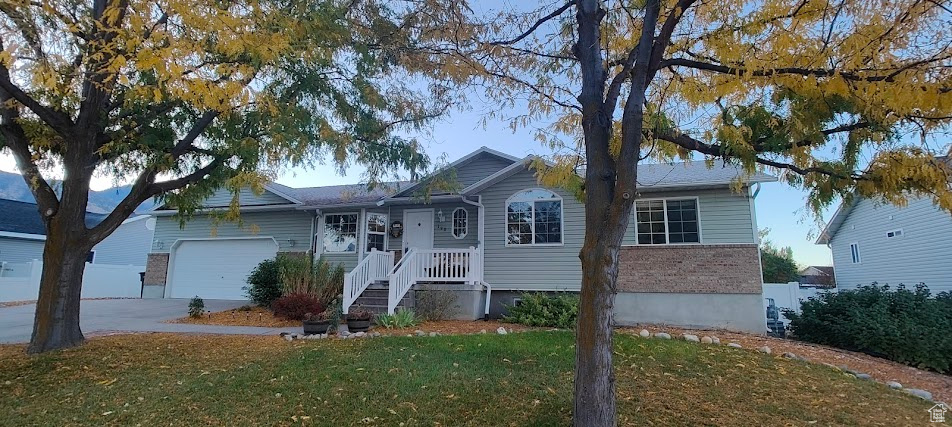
(216, 269)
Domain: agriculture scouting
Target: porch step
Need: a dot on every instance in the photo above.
(376, 296)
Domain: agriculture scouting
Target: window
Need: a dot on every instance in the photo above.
(91, 256)
(665, 221)
(460, 223)
(894, 233)
(534, 217)
(376, 231)
(340, 233)
(854, 253)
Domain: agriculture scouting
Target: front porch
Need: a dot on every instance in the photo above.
(381, 277)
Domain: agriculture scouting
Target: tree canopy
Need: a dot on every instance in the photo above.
(776, 263)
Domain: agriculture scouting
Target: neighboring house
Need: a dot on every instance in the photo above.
(818, 275)
(888, 244)
(689, 258)
(23, 235)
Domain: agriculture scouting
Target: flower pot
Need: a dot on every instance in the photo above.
(316, 326)
(358, 325)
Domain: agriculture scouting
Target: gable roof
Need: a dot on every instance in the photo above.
(653, 176)
(344, 194)
(459, 163)
(24, 218)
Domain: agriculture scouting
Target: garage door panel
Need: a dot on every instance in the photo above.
(217, 269)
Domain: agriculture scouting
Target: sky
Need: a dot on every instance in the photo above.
(780, 208)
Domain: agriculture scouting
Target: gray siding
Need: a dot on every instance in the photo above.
(20, 250)
(725, 215)
(725, 218)
(282, 225)
(246, 197)
(531, 267)
(128, 245)
(478, 168)
(921, 254)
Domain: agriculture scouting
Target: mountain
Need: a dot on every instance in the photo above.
(13, 187)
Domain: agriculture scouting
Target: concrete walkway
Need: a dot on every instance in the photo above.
(128, 315)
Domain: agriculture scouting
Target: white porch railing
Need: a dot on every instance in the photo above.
(433, 265)
(375, 266)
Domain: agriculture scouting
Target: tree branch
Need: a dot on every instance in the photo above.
(538, 23)
(19, 144)
(739, 70)
(57, 120)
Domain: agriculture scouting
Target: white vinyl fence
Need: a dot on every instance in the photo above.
(21, 281)
(789, 295)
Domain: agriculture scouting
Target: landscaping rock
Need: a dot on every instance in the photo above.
(691, 338)
(919, 393)
(734, 345)
(376, 334)
(360, 334)
(288, 338)
(433, 334)
(789, 355)
(501, 331)
(662, 335)
(344, 334)
(644, 333)
(419, 333)
(764, 349)
(863, 376)
(707, 340)
(894, 385)
(482, 331)
(716, 340)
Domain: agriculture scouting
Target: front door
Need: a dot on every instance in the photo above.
(418, 229)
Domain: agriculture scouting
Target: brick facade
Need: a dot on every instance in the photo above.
(156, 269)
(707, 269)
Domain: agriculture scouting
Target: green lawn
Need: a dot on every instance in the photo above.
(517, 379)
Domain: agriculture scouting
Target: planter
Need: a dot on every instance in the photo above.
(355, 325)
(316, 327)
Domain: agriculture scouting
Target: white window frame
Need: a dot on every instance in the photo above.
(505, 219)
(465, 223)
(93, 253)
(367, 231)
(667, 229)
(855, 256)
(896, 233)
(324, 229)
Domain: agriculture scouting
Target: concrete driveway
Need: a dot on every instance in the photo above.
(131, 315)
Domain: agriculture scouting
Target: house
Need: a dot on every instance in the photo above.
(689, 258)
(887, 244)
(818, 275)
(23, 235)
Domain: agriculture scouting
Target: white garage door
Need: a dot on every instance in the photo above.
(216, 269)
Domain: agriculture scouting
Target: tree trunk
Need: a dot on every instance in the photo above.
(56, 324)
(594, 374)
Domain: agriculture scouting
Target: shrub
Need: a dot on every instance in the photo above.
(401, 319)
(359, 313)
(907, 326)
(264, 283)
(303, 275)
(196, 307)
(435, 304)
(540, 309)
(296, 306)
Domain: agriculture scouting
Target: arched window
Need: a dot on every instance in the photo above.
(534, 217)
(460, 223)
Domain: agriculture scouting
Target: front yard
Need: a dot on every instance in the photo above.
(483, 379)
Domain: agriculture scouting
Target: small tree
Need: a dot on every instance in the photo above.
(777, 263)
(188, 97)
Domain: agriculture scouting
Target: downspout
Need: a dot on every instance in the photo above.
(481, 236)
(362, 236)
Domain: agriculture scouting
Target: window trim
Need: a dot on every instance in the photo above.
(93, 253)
(667, 228)
(505, 219)
(367, 232)
(324, 228)
(453, 223)
(858, 258)
(900, 232)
